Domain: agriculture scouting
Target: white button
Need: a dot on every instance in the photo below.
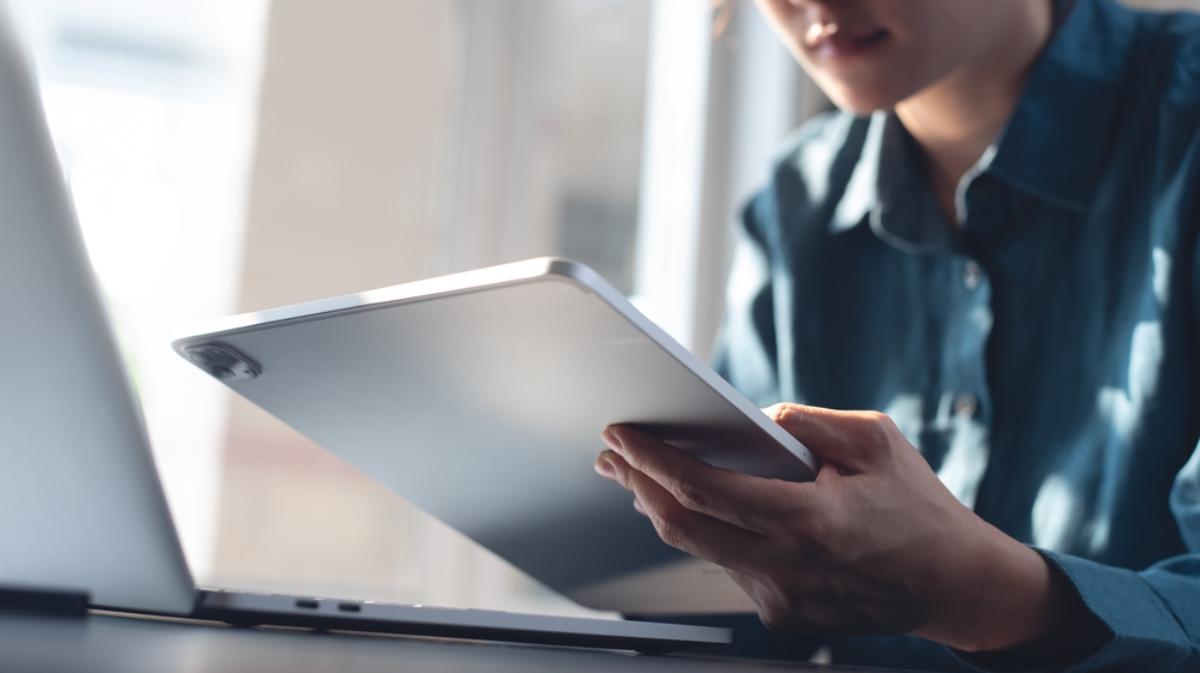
(972, 275)
(965, 404)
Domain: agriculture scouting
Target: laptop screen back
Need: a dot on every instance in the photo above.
(80, 502)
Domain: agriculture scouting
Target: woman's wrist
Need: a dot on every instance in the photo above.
(1029, 601)
(1049, 627)
(1004, 594)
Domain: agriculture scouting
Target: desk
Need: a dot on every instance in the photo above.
(110, 643)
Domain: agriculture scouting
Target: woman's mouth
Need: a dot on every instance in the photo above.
(835, 41)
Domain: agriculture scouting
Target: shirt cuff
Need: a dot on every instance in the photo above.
(1132, 626)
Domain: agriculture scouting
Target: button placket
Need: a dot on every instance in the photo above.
(965, 405)
(972, 275)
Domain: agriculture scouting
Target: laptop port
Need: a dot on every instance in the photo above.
(349, 607)
(307, 603)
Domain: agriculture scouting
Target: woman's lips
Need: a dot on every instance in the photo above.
(830, 39)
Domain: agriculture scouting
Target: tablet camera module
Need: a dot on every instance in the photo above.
(223, 362)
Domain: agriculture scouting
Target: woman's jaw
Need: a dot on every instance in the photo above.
(869, 55)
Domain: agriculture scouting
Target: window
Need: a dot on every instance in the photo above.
(150, 106)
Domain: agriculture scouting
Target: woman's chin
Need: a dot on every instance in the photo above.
(865, 92)
(861, 103)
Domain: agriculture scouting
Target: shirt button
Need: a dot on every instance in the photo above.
(965, 404)
(972, 275)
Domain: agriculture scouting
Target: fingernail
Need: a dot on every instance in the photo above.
(611, 440)
(604, 467)
(637, 504)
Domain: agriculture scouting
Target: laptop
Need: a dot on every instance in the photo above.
(81, 506)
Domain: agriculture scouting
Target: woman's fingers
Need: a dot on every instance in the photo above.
(852, 439)
(746, 501)
(697, 534)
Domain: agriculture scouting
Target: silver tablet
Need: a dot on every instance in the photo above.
(481, 396)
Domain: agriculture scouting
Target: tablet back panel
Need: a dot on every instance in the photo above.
(484, 406)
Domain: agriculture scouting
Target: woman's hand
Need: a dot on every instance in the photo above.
(875, 545)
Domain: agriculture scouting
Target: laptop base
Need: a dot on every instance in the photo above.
(248, 609)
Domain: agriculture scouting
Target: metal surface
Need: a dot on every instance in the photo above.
(80, 504)
(481, 397)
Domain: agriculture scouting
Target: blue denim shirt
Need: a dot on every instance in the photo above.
(1043, 353)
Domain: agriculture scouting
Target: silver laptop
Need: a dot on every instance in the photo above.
(81, 506)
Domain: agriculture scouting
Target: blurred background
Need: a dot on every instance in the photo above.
(233, 155)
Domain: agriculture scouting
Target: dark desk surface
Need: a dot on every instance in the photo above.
(107, 643)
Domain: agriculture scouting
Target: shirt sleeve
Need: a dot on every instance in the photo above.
(1148, 621)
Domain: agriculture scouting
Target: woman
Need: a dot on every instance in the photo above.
(995, 242)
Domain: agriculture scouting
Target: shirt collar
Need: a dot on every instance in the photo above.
(1056, 141)
(888, 187)
(861, 194)
(1053, 146)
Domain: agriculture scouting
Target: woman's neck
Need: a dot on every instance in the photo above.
(957, 118)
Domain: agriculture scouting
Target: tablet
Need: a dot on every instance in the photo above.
(481, 396)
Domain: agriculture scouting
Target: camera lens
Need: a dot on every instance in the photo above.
(222, 362)
(223, 373)
(200, 357)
